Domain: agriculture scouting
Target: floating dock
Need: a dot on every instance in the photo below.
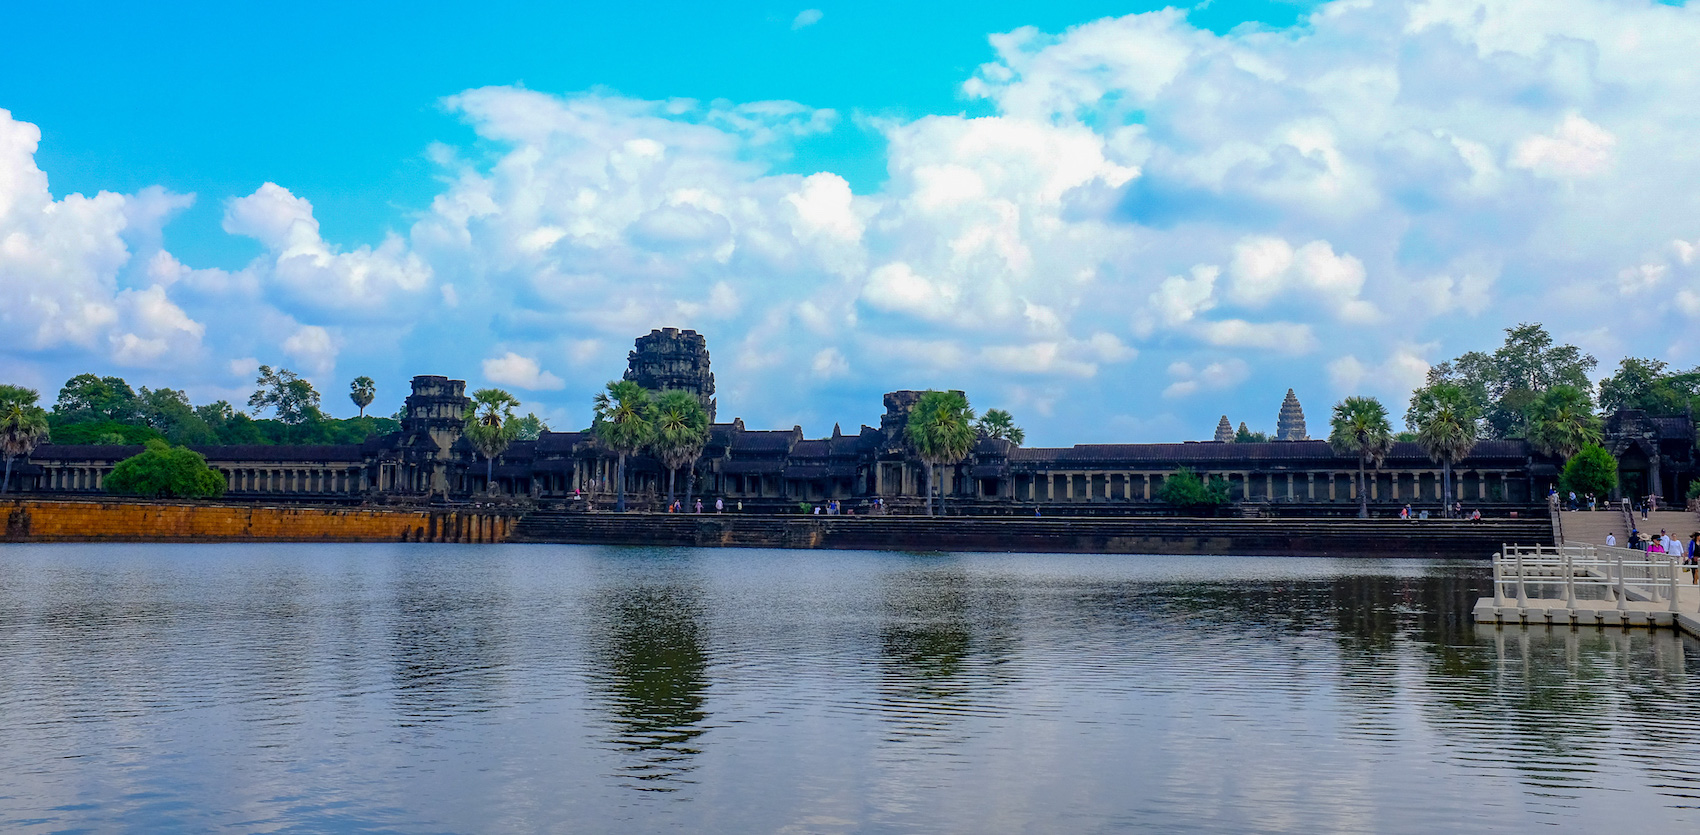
(1591, 585)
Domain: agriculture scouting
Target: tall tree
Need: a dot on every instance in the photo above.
(362, 391)
(998, 424)
(491, 427)
(624, 423)
(23, 426)
(530, 427)
(1650, 385)
(294, 399)
(1561, 421)
(1446, 424)
(86, 397)
(1359, 427)
(941, 429)
(10, 394)
(1503, 385)
(681, 431)
(164, 471)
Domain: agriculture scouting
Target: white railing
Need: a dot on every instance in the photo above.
(1583, 572)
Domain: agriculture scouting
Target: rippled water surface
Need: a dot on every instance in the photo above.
(425, 689)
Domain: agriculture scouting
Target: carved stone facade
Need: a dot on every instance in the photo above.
(1290, 424)
(429, 460)
(669, 358)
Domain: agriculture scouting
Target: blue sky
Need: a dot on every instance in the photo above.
(1118, 222)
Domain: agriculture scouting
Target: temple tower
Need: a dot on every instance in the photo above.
(669, 358)
(1224, 431)
(1290, 424)
(437, 407)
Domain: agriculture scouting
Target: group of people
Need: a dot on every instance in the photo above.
(1572, 502)
(1664, 543)
(1457, 513)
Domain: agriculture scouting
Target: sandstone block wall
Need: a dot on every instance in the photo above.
(34, 520)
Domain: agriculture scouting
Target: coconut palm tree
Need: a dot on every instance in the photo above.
(1446, 426)
(1359, 427)
(1562, 421)
(624, 423)
(941, 429)
(1000, 425)
(22, 428)
(681, 431)
(361, 391)
(491, 427)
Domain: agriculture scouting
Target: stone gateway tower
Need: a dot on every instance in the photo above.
(1290, 425)
(1224, 431)
(669, 358)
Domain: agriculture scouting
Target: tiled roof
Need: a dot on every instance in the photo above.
(1227, 454)
(265, 452)
(771, 440)
(84, 452)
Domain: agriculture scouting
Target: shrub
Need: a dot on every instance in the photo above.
(1186, 489)
(164, 471)
(1590, 470)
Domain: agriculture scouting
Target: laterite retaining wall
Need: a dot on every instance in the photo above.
(36, 520)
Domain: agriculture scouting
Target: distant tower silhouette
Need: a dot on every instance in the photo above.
(1224, 431)
(1290, 425)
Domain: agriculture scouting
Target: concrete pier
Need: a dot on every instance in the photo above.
(1591, 585)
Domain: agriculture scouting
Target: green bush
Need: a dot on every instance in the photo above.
(1590, 470)
(1186, 489)
(164, 471)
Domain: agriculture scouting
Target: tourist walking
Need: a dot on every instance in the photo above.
(699, 505)
(719, 505)
(1692, 558)
(1611, 540)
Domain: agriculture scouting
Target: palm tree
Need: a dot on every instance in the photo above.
(1562, 421)
(623, 423)
(22, 428)
(681, 431)
(1445, 422)
(361, 391)
(1000, 425)
(490, 427)
(941, 429)
(1359, 427)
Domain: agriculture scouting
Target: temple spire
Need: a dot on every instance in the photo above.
(1290, 424)
(1224, 431)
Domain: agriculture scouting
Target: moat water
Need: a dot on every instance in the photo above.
(430, 689)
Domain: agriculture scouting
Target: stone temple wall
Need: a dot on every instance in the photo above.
(132, 520)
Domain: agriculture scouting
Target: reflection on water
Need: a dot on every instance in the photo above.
(653, 671)
(519, 689)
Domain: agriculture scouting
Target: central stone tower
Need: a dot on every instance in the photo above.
(1290, 425)
(669, 358)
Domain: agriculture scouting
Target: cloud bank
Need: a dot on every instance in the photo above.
(1156, 224)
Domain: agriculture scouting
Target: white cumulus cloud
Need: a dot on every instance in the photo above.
(521, 372)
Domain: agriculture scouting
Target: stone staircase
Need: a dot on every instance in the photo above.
(1592, 527)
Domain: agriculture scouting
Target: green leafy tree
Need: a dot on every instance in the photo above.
(941, 430)
(1561, 421)
(529, 428)
(86, 397)
(168, 412)
(293, 399)
(1244, 435)
(1502, 386)
(164, 471)
(1184, 489)
(23, 426)
(1359, 427)
(102, 432)
(998, 424)
(624, 423)
(1446, 425)
(1650, 386)
(681, 431)
(1590, 470)
(362, 391)
(491, 427)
